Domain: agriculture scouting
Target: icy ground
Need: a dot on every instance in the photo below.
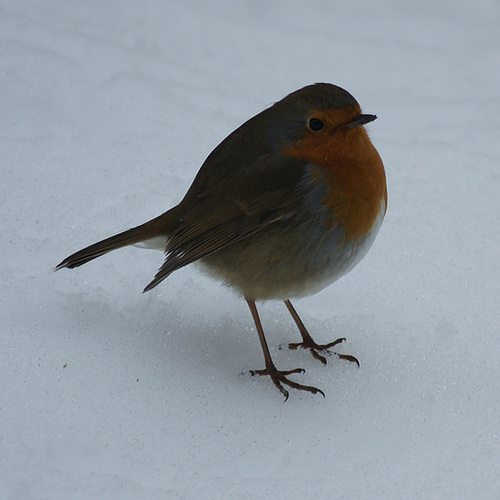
(107, 110)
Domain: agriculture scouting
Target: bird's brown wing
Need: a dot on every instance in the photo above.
(237, 207)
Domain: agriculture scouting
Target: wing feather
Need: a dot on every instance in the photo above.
(232, 211)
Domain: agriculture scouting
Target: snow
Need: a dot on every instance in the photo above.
(108, 110)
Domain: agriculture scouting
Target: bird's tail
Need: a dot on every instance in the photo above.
(158, 227)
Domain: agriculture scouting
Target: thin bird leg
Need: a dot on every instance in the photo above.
(309, 343)
(278, 377)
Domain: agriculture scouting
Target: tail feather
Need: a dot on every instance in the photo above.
(160, 226)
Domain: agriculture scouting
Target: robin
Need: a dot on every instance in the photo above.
(284, 206)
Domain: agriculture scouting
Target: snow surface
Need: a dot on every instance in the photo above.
(107, 111)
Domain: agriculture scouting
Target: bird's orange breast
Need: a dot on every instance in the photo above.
(356, 181)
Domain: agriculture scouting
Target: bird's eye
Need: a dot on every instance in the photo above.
(315, 124)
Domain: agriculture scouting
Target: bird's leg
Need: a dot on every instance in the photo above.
(278, 377)
(309, 343)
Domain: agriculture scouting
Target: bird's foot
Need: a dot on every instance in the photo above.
(314, 348)
(280, 377)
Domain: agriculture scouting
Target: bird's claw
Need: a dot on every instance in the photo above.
(314, 348)
(279, 378)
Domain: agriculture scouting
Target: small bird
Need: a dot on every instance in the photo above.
(284, 206)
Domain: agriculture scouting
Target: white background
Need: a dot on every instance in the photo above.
(108, 108)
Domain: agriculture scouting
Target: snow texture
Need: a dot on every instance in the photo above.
(107, 111)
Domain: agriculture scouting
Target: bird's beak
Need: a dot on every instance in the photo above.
(359, 120)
